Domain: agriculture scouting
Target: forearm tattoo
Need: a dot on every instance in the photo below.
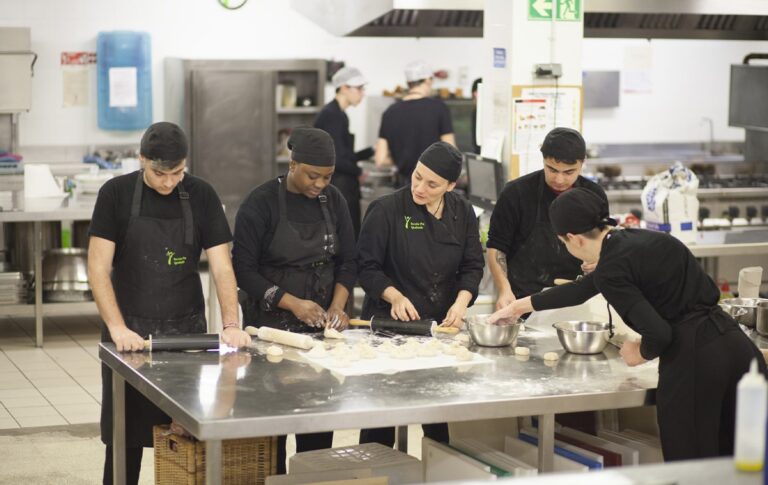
(501, 258)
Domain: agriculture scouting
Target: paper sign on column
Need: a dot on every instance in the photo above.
(75, 86)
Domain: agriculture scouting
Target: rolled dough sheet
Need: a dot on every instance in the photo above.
(384, 364)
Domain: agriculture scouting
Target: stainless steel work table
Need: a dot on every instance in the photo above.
(215, 403)
(68, 209)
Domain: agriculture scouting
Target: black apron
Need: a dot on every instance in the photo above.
(698, 374)
(300, 260)
(158, 290)
(431, 255)
(541, 258)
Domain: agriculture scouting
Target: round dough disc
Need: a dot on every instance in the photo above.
(464, 355)
(274, 351)
(551, 356)
(333, 333)
(522, 351)
(462, 337)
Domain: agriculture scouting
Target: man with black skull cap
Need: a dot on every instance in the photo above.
(420, 256)
(524, 255)
(294, 251)
(147, 231)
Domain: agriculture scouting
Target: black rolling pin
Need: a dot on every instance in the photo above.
(414, 327)
(194, 341)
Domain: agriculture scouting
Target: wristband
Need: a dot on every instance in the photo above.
(231, 324)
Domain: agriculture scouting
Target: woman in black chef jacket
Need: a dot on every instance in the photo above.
(661, 291)
(419, 255)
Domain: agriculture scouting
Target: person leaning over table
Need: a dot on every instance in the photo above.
(419, 255)
(660, 290)
(294, 252)
(146, 234)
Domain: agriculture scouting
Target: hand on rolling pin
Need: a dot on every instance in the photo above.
(310, 313)
(630, 352)
(512, 311)
(337, 318)
(587, 268)
(125, 339)
(235, 337)
(455, 315)
(403, 309)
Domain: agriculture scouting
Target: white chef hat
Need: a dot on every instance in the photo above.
(348, 76)
(417, 70)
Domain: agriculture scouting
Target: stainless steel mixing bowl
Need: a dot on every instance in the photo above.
(733, 307)
(499, 334)
(580, 337)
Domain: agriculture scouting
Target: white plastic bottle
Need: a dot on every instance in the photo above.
(751, 408)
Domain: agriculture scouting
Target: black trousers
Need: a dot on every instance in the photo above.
(696, 398)
(386, 436)
(304, 442)
(132, 465)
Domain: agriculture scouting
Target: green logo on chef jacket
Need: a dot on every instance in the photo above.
(413, 225)
(174, 260)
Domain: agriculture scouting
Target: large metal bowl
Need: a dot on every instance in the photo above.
(499, 334)
(581, 337)
(733, 307)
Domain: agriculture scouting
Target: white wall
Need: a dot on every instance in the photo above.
(690, 78)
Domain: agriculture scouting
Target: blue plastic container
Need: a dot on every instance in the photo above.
(124, 64)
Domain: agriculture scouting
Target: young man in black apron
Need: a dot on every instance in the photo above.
(660, 290)
(420, 256)
(350, 90)
(294, 252)
(524, 255)
(147, 231)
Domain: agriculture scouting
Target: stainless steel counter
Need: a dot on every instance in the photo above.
(730, 243)
(214, 402)
(69, 209)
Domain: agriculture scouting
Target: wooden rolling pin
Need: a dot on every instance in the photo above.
(414, 327)
(195, 341)
(281, 337)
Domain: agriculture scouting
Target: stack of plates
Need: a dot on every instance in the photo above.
(87, 183)
(13, 288)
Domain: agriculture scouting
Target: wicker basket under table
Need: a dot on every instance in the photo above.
(181, 460)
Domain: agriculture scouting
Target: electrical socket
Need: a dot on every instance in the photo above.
(548, 70)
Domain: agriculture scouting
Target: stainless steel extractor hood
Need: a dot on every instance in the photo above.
(662, 19)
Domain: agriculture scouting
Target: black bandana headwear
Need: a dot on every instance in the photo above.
(577, 211)
(443, 159)
(312, 146)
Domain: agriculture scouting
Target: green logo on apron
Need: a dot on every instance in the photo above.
(174, 260)
(413, 225)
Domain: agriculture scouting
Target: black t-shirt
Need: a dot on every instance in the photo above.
(410, 127)
(255, 227)
(514, 216)
(113, 209)
(650, 278)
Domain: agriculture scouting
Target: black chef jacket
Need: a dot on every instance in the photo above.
(428, 260)
(514, 216)
(650, 278)
(409, 127)
(255, 227)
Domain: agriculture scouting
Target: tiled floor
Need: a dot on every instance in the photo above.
(57, 385)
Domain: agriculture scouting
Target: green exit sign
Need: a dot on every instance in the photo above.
(567, 10)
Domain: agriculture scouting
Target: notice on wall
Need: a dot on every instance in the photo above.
(123, 84)
(636, 72)
(74, 87)
(536, 110)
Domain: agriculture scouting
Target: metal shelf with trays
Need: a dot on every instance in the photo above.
(68, 210)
